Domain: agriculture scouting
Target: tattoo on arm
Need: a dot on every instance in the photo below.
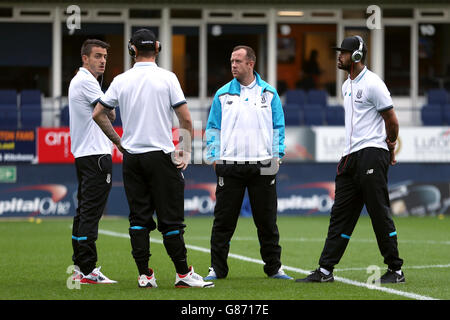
(101, 118)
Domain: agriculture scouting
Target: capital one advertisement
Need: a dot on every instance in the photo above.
(303, 189)
(51, 191)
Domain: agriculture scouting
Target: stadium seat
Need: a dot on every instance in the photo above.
(437, 96)
(292, 114)
(446, 112)
(30, 109)
(432, 115)
(317, 97)
(335, 115)
(8, 117)
(30, 97)
(296, 96)
(118, 121)
(8, 97)
(313, 114)
(8, 110)
(64, 120)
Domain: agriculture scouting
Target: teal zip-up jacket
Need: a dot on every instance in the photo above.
(250, 129)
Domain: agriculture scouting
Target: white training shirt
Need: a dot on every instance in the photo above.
(87, 138)
(146, 95)
(364, 126)
(247, 140)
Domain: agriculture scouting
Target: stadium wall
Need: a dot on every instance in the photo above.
(50, 190)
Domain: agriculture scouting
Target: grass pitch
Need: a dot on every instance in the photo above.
(36, 254)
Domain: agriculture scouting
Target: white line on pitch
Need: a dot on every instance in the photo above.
(238, 238)
(293, 269)
(403, 267)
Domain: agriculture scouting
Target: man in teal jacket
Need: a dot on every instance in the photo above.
(245, 143)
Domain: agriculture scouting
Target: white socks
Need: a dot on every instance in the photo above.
(325, 271)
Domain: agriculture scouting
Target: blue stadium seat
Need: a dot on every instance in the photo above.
(30, 109)
(317, 97)
(8, 110)
(30, 97)
(292, 114)
(437, 96)
(8, 97)
(296, 96)
(432, 115)
(118, 121)
(8, 117)
(446, 111)
(335, 115)
(30, 116)
(64, 120)
(313, 114)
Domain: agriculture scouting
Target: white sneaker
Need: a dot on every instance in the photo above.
(145, 281)
(77, 275)
(96, 277)
(211, 275)
(191, 280)
(281, 275)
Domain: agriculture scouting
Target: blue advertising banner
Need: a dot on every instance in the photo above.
(17, 146)
(303, 189)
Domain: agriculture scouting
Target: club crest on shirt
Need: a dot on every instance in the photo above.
(108, 178)
(263, 99)
(359, 94)
(221, 182)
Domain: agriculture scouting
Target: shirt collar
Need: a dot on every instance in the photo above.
(144, 64)
(360, 75)
(250, 86)
(83, 69)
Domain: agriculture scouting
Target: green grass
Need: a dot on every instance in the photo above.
(35, 257)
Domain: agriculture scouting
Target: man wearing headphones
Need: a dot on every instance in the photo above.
(147, 96)
(371, 128)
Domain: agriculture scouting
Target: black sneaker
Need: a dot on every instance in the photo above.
(317, 276)
(392, 277)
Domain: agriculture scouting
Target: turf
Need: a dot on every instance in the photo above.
(35, 257)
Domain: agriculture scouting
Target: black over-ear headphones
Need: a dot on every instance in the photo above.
(148, 44)
(357, 55)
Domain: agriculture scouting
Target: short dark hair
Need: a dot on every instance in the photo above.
(87, 46)
(250, 52)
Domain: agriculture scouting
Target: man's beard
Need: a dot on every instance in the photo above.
(345, 67)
